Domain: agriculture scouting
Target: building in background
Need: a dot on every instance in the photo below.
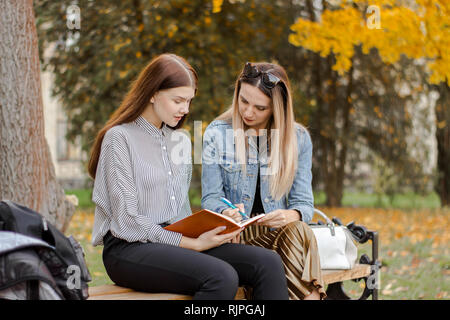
(68, 158)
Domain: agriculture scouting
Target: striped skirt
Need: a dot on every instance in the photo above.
(297, 247)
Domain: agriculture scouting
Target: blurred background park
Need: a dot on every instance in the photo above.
(370, 81)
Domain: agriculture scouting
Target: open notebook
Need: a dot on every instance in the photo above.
(206, 220)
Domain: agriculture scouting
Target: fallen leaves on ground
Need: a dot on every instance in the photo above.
(394, 226)
(411, 244)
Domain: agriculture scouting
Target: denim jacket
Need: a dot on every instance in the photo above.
(222, 175)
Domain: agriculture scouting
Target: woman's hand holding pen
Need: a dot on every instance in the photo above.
(236, 216)
(234, 213)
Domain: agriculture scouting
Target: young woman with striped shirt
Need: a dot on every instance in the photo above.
(141, 185)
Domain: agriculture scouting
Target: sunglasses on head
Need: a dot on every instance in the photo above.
(268, 79)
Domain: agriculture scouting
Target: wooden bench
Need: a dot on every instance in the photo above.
(113, 292)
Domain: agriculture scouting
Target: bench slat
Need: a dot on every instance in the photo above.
(114, 292)
(358, 271)
(107, 289)
(134, 295)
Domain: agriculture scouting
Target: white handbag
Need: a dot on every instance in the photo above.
(337, 248)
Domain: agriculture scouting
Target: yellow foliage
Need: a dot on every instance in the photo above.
(217, 5)
(441, 124)
(119, 45)
(422, 31)
(172, 29)
(122, 74)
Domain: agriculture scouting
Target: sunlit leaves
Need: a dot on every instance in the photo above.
(217, 5)
(420, 30)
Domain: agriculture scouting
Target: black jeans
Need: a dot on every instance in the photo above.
(209, 275)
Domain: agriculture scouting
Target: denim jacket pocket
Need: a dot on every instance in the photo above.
(231, 174)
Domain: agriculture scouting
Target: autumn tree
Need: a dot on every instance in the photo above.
(27, 175)
(418, 30)
(94, 65)
(348, 115)
(93, 68)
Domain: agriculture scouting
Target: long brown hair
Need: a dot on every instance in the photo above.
(165, 71)
(283, 148)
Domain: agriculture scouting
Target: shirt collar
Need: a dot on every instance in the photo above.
(150, 128)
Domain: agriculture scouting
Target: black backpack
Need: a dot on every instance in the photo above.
(39, 252)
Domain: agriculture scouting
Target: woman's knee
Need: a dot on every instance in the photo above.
(268, 279)
(266, 259)
(297, 225)
(227, 275)
(222, 278)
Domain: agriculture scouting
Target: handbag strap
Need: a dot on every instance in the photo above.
(330, 223)
(323, 215)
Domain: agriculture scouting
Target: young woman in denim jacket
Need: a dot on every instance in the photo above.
(257, 156)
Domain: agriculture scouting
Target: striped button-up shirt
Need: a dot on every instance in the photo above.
(142, 181)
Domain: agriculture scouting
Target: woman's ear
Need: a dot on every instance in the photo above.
(152, 99)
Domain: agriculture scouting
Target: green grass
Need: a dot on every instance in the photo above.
(350, 199)
(85, 197)
(409, 272)
(369, 200)
(95, 265)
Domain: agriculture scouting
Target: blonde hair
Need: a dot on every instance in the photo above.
(283, 146)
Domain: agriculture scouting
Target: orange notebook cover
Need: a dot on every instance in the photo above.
(206, 220)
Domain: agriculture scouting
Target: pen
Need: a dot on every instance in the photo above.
(232, 206)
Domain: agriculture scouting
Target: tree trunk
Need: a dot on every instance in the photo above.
(325, 125)
(317, 137)
(27, 175)
(333, 185)
(345, 140)
(442, 110)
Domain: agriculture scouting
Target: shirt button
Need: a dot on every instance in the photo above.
(266, 200)
(172, 197)
(164, 148)
(170, 173)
